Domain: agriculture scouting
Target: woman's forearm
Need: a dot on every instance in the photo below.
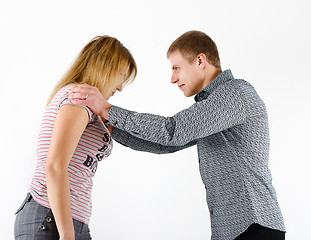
(59, 197)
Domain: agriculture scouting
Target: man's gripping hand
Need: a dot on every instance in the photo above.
(84, 94)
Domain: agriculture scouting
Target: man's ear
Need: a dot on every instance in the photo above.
(201, 59)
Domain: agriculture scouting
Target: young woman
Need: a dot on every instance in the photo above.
(72, 142)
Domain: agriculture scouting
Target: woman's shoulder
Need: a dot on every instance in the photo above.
(62, 94)
(61, 99)
(65, 89)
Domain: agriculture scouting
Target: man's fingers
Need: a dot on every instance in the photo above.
(81, 88)
(86, 95)
(78, 101)
(77, 95)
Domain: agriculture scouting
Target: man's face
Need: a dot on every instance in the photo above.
(187, 76)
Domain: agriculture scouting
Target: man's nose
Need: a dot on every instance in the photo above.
(174, 79)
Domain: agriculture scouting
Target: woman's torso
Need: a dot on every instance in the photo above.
(94, 145)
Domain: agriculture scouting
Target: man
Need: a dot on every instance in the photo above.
(229, 125)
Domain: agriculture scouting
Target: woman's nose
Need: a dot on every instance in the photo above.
(120, 87)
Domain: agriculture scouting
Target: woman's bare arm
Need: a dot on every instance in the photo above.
(69, 125)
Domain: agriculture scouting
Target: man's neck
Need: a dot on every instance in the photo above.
(211, 75)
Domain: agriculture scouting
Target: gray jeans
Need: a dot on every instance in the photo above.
(34, 221)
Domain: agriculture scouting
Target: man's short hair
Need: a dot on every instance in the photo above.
(192, 43)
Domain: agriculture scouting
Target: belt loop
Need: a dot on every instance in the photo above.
(29, 197)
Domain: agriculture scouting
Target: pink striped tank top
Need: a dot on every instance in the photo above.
(94, 145)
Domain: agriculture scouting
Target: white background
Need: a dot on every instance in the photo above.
(140, 196)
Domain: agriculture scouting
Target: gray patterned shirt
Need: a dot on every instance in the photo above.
(229, 125)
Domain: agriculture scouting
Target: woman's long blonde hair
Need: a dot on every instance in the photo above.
(98, 64)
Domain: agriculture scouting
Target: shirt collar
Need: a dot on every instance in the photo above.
(219, 80)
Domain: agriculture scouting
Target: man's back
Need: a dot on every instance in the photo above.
(234, 161)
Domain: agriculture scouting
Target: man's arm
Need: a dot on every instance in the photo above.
(128, 140)
(223, 109)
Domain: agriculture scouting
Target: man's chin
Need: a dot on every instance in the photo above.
(188, 94)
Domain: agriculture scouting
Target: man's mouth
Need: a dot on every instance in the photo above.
(181, 85)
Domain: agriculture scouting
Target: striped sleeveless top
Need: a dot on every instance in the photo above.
(94, 145)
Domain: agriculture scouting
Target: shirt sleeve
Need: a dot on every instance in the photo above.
(135, 143)
(223, 109)
(66, 101)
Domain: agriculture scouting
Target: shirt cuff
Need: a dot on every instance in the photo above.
(117, 117)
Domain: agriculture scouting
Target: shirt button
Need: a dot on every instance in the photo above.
(48, 219)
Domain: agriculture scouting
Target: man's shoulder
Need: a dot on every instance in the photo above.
(248, 95)
(240, 85)
(238, 82)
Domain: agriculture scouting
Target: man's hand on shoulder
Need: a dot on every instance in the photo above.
(84, 94)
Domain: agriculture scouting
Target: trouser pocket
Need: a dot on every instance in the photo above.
(47, 226)
(27, 199)
(35, 222)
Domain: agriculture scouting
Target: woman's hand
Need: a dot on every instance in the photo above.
(84, 94)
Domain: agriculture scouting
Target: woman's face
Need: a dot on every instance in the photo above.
(117, 84)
